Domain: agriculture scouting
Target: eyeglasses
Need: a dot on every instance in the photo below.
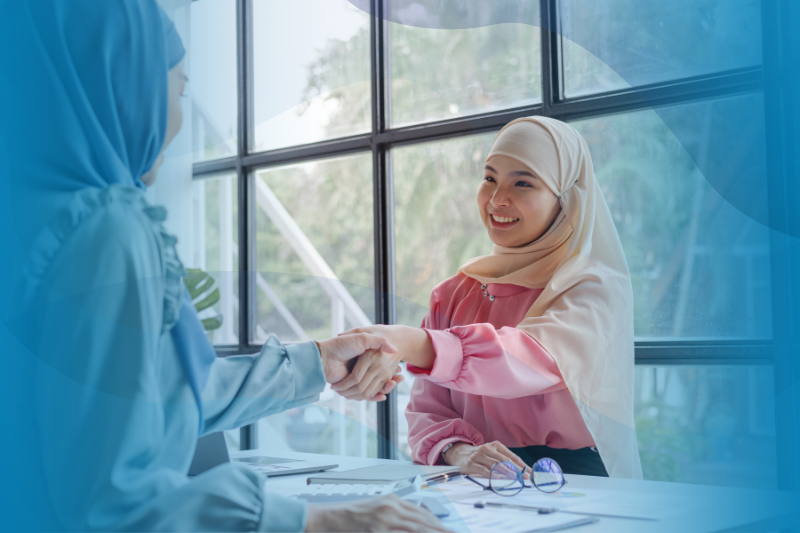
(505, 478)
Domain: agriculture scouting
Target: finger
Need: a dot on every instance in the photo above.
(354, 331)
(351, 394)
(365, 362)
(372, 383)
(489, 453)
(511, 455)
(475, 469)
(497, 457)
(357, 374)
(375, 377)
(391, 384)
(346, 384)
(378, 398)
(484, 460)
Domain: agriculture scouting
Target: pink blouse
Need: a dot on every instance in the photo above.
(490, 381)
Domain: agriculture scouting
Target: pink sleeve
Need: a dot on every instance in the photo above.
(501, 363)
(433, 424)
(432, 421)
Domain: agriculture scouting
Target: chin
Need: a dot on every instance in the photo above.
(499, 241)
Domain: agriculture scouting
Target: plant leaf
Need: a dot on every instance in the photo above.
(208, 301)
(210, 324)
(199, 283)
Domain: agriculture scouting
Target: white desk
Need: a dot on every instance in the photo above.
(698, 508)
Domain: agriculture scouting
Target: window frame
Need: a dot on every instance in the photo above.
(382, 138)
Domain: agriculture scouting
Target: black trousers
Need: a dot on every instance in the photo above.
(585, 461)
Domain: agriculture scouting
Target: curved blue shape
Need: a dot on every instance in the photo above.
(90, 110)
(643, 43)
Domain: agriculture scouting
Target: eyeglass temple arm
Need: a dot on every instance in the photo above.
(477, 482)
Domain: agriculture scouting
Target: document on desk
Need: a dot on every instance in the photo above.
(597, 502)
(468, 519)
(456, 489)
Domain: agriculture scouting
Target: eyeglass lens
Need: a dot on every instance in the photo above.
(547, 475)
(505, 479)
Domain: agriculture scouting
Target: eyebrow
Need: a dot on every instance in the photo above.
(514, 172)
(523, 173)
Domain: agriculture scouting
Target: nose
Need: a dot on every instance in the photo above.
(501, 197)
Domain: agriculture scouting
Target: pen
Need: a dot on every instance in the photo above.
(540, 510)
(548, 510)
(442, 477)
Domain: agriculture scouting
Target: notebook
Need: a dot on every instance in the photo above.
(383, 474)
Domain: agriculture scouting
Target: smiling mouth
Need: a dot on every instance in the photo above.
(502, 222)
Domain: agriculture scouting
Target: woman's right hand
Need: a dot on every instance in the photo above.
(478, 460)
(387, 513)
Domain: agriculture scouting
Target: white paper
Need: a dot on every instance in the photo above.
(457, 489)
(597, 502)
(468, 519)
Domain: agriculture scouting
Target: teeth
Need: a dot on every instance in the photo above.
(504, 220)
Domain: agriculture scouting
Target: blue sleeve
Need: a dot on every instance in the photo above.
(109, 459)
(245, 388)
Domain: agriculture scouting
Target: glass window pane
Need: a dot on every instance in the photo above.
(709, 425)
(437, 224)
(212, 79)
(437, 228)
(216, 251)
(621, 43)
(700, 268)
(439, 74)
(311, 72)
(315, 279)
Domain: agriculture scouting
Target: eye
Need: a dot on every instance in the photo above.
(488, 178)
(524, 184)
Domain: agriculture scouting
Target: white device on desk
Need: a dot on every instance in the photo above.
(212, 451)
(348, 492)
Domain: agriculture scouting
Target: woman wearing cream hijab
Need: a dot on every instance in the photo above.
(527, 352)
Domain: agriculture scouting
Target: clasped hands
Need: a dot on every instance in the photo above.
(363, 364)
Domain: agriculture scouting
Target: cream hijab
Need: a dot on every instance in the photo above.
(584, 316)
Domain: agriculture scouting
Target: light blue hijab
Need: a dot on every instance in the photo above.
(85, 104)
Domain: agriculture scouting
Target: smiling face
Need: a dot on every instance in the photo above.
(516, 206)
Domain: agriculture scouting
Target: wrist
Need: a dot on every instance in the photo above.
(422, 355)
(451, 455)
(319, 348)
(323, 355)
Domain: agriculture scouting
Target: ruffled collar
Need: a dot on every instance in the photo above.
(82, 206)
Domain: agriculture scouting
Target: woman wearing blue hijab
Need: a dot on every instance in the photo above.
(107, 366)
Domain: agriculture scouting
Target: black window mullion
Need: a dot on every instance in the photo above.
(384, 256)
(246, 256)
(548, 55)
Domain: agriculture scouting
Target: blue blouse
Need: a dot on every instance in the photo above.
(117, 419)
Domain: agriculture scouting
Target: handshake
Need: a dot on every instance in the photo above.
(363, 364)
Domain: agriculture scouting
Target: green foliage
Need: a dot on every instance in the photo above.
(331, 201)
(204, 293)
